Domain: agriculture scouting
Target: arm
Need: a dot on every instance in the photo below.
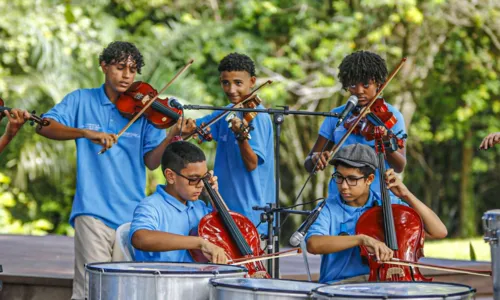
(152, 240)
(152, 159)
(314, 155)
(434, 227)
(397, 160)
(318, 244)
(58, 131)
(16, 119)
(249, 157)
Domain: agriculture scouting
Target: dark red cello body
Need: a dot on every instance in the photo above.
(231, 231)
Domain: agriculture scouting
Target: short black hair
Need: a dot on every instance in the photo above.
(237, 62)
(119, 51)
(362, 66)
(178, 155)
(366, 170)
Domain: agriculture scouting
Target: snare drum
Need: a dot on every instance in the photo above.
(395, 290)
(261, 289)
(491, 226)
(154, 280)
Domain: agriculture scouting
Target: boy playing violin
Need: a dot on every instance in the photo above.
(162, 221)
(16, 119)
(244, 163)
(333, 232)
(108, 186)
(361, 73)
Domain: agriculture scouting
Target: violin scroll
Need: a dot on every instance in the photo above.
(33, 117)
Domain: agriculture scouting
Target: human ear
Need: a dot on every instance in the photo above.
(169, 176)
(104, 67)
(253, 79)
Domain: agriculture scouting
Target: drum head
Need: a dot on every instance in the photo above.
(267, 285)
(395, 290)
(491, 219)
(164, 268)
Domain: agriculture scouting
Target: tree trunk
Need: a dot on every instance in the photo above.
(467, 208)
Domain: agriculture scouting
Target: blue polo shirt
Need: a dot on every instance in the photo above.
(162, 212)
(241, 189)
(328, 131)
(337, 217)
(108, 186)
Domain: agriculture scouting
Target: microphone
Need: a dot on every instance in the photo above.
(351, 103)
(298, 235)
(172, 102)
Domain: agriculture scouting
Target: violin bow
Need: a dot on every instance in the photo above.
(245, 260)
(238, 105)
(401, 262)
(150, 102)
(366, 109)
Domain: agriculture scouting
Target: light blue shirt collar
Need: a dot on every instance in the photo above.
(372, 199)
(104, 98)
(172, 200)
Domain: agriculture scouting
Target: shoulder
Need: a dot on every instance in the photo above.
(338, 109)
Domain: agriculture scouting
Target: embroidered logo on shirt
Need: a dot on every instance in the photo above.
(131, 135)
(91, 126)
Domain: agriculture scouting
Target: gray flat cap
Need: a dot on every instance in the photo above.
(357, 155)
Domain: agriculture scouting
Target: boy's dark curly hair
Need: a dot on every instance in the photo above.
(237, 62)
(119, 51)
(362, 66)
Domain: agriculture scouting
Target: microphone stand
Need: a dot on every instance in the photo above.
(278, 119)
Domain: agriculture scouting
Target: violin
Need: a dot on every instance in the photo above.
(130, 107)
(379, 115)
(161, 114)
(33, 118)
(231, 231)
(249, 101)
(133, 100)
(381, 222)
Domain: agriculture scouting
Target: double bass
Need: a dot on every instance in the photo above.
(231, 231)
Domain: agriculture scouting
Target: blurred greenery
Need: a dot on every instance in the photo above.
(448, 90)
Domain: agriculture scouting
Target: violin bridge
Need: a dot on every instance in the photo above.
(394, 271)
(145, 100)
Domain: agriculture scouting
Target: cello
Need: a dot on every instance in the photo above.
(231, 231)
(380, 223)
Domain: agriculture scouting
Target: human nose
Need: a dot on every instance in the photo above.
(126, 73)
(359, 89)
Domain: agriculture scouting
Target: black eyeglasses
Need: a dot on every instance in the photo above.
(194, 181)
(352, 181)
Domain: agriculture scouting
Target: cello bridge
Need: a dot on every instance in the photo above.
(394, 271)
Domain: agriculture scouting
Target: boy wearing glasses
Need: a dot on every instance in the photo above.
(162, 221)
(333, 232)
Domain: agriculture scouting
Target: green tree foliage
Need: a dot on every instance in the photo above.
(448, 90)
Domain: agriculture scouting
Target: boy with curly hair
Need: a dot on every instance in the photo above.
(108, 187)
(361, 73)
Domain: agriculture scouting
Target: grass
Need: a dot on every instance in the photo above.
(458, 249)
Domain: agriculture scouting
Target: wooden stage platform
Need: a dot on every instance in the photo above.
(39, 268)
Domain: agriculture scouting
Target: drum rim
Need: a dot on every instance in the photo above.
(213, 282)
(94, 267)
(471, 290)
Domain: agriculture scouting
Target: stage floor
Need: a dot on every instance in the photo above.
(35, 266)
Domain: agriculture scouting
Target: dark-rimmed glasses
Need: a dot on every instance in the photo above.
(352, 181)
(194, 181)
